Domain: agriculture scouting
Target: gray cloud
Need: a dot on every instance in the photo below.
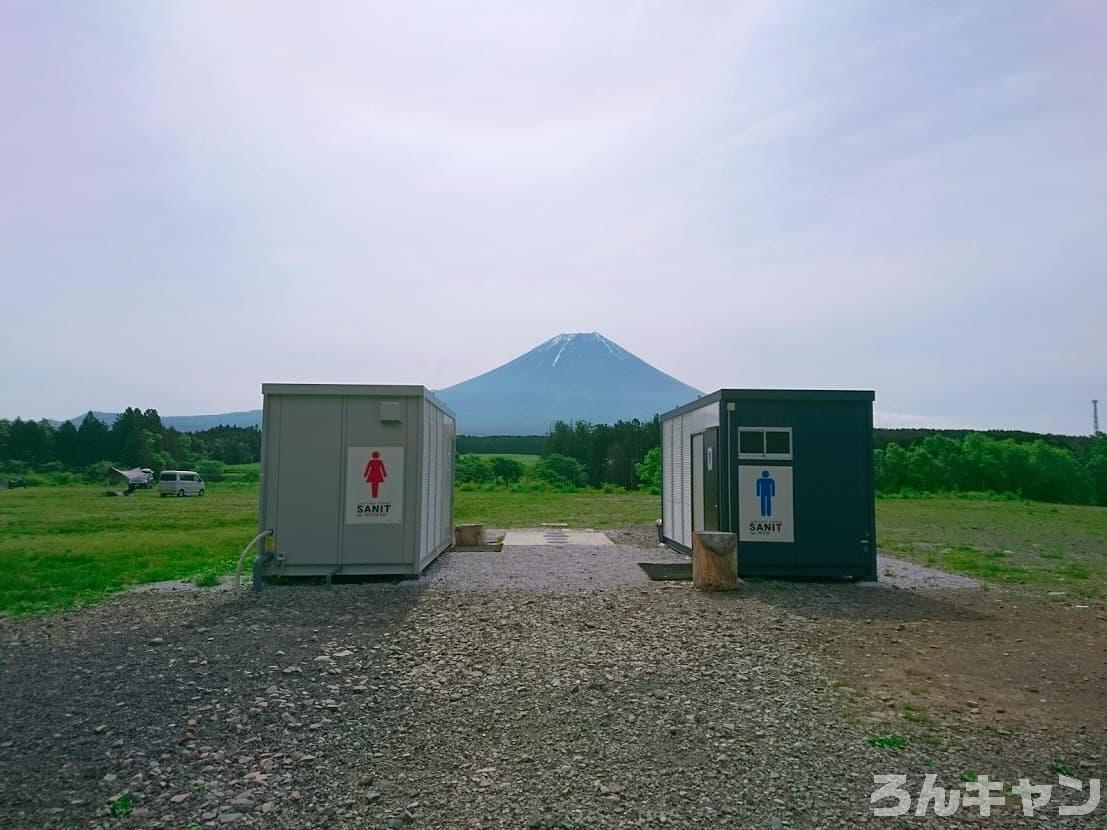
(903, 197)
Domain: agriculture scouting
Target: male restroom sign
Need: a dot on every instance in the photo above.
(765, 504)
(374, 485)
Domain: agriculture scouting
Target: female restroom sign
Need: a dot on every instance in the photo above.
(374, 485)
(765, 504)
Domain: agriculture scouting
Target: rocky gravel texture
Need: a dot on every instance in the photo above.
(892, 572)
(900, 574)
(502, 690)
(639, 536)
(560, 569)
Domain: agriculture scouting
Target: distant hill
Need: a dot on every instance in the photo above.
(571, 377)
(186, 423)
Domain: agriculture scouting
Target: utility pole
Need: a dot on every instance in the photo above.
(1095, 417)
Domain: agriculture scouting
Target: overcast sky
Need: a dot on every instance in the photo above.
(910, 197)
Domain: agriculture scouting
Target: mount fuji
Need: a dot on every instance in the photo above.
(571, 377)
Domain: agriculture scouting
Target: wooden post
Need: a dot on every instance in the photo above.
(468, 536)
(715, 561)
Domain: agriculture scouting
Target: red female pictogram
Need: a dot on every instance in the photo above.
(375, 473)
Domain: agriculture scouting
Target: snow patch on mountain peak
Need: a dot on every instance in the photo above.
(580, 339)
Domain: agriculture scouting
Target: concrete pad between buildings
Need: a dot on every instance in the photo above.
(557, 536)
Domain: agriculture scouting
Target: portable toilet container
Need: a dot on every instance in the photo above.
(355, 479)
(789, 471)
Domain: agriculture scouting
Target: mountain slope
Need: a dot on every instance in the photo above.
(570, 377)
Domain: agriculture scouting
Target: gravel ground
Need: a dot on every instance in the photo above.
(561, 569)
(549, 688)
(638, 536)
(900, 574)
(892, 572)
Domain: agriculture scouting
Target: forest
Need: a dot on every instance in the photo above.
(137, 438)
(624, 455)
(1053, 468)
(980, 462)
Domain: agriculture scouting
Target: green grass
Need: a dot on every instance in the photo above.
(70, 545)
(890, 742)
(1040, 546)
(67, 546)
(62, 547)
(242, 473)
(123, 806)
(587, 509)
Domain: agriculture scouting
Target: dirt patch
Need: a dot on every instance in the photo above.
(990, 658)
(924, 645)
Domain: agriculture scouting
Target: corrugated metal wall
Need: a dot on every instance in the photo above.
(424, 514)
(676, 469)
(667, 478)
(436, 528)
(446, 506)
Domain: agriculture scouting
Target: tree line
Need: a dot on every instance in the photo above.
(907, 437)
(979, 462)
(626, 454)
(137, 438)
(1056, 468)
(572, 456)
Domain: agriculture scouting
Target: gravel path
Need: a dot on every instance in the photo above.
(891, 572)
(562, 569)
(898, 573)
(550, 688)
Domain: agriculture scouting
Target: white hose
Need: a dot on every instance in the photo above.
(242, 557)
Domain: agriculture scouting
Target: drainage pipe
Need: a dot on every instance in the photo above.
(242, 557)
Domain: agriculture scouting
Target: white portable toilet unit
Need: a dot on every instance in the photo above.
(354, 479)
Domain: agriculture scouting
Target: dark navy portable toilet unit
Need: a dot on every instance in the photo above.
(789, 471)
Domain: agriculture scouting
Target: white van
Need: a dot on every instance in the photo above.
(180, 482)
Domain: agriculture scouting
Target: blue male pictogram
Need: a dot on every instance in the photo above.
(766, 489)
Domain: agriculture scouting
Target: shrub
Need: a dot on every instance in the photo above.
(163, 461)
(1097, 468)
(648, 471)
(507, 470)
(472, 469)
(561, 471)
(210, 470)
(97, 473)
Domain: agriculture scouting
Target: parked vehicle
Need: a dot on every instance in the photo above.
(180, 483)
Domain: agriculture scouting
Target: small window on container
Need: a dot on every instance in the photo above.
(765, 443)
(751, 442)
(778, 442)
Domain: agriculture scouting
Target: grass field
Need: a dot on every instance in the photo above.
(66, 546)
(1050, 546)
(508, 509)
